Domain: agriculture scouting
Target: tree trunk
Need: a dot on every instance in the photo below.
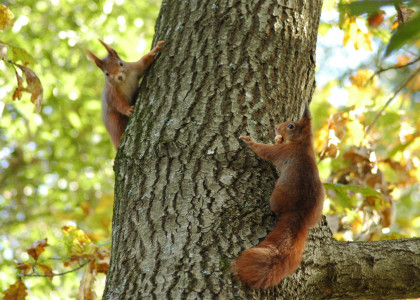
(189, 196)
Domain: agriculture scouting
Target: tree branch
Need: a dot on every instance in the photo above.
(383, 269)
(397, 91)
(55, 274)
(351, 270)
(381, 70)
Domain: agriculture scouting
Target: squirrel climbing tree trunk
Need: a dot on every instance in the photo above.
(189, 196)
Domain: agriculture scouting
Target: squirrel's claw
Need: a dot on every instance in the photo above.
(130, 110)
(246, 139)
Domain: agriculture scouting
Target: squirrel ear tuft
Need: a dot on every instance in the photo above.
(306, 117)
(93, 57)
(110, 50)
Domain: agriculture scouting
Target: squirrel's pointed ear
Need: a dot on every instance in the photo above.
(306, 117)
(110, 50)
(93, 57)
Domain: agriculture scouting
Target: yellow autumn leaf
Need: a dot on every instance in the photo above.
(329, 5)
(354, 130)
(82, 249)
(362, 77)
(354, 34)
(81, 244)
(357, 224)
(76, 235)
(402, 60)
(394, 25)
(6, 17)
(414, 84)
(363, 40)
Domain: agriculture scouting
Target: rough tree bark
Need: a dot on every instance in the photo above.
(189, 196)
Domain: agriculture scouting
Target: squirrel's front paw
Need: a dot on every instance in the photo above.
(130, 110)
(246, 139)
(158, 46)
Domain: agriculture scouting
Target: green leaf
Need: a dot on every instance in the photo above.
(17, 54)
(361, 7)
(324, 28)
(406, 33)
(342, 189)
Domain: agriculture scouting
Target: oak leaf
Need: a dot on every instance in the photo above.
(24, 267)
(357, 155)
(46, 270)
(16, 291)
(336, 132)
(404, 13)
(33, 87)
(102, 267)
(72, 261)
(36, 248)
(20, 88)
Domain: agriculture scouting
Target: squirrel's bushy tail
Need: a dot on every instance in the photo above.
(277, 256)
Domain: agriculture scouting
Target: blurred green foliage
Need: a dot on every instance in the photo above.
(56, 166)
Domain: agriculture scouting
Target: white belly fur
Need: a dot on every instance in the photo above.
(129, 87)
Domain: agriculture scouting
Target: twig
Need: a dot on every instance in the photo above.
(55, 274)
(381, 70)
(104, 243)
(368, 128)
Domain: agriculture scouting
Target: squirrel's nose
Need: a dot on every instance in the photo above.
(120, 78)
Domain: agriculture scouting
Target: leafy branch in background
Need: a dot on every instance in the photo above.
(407, 26)
(82, 253)
(372, 157)
(388, 102)
(11, 55)
(56, 165)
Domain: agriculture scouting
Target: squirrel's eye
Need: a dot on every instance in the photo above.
(121, 64)
(106, 74)
(290, 126)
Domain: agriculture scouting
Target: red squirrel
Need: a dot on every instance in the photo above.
(297, 198)
(121, 88)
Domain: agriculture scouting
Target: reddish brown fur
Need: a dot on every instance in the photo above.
(297, 198)
(121, 87)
